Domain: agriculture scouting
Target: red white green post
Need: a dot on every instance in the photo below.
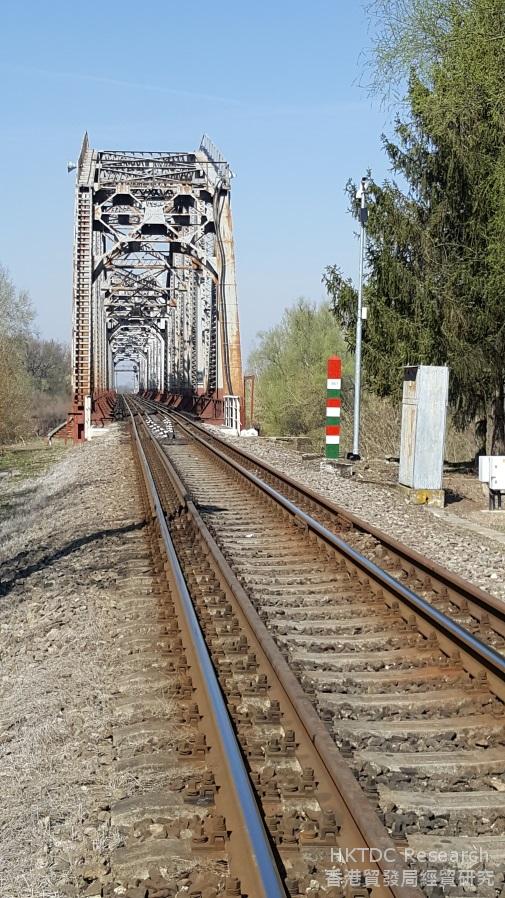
(333, 405)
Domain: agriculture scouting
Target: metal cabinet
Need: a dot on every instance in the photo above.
(424, 412)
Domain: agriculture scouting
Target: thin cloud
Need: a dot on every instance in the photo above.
(259, 109)
(135, 85)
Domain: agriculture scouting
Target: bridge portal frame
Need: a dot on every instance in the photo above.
(154, 281)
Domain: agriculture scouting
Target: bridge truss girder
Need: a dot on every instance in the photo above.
(154, 274)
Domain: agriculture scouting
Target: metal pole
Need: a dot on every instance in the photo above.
(359, 322)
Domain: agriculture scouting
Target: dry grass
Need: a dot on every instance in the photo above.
(381, 428)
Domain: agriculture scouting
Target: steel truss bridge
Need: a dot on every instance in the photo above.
(154, 287)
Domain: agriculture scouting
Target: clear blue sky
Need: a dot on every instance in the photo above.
(274, 84)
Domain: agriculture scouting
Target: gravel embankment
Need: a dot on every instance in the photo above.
(472, 555)
(57, 546)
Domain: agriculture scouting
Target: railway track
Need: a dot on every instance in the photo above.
(402, 663)
(222, 819)
(180, 792)
(293, 772)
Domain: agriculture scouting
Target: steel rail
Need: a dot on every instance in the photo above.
(260, 848)
(494, 662)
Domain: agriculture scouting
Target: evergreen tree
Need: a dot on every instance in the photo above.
(436, 250)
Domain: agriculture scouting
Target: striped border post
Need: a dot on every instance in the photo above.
(333, 399)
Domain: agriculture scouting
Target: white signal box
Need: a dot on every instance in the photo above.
(492, 471)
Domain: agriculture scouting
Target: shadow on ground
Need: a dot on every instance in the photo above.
(45, 561)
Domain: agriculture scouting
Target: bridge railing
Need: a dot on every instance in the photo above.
(232, 413)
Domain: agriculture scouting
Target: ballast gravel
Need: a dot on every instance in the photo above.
(55, 742)
(476, 557)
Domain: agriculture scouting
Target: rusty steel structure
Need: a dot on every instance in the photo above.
(154, 287)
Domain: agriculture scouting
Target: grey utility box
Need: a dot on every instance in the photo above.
(424, 412)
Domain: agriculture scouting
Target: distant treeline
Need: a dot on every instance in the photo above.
(34, 373)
